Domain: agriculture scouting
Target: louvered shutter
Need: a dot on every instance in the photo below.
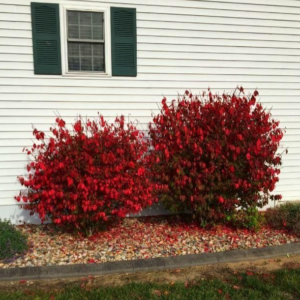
(123, 36)
(46, 38)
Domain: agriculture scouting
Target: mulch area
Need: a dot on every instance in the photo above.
(138, 238)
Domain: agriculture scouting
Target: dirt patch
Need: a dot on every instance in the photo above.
(192, 274)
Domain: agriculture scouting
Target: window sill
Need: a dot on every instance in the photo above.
(87, 74)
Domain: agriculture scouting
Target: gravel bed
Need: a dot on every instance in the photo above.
(138, 238)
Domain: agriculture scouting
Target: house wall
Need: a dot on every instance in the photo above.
(181, 45)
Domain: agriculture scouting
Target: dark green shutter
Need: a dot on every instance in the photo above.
(123, 37)
(46, 38)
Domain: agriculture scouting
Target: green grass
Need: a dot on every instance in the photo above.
(283, 284)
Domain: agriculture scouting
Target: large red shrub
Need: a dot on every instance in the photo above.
(216, 153)
(89, 175)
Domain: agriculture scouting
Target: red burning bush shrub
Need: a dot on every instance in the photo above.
(87, 176)
(216, 153)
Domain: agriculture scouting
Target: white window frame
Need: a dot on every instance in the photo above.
(64, 41)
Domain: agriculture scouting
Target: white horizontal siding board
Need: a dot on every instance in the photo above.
(105, 105)
(225, 56)
(150, 97)
(12, 172)
(216, 42)
(216, 35)
(117, 105)
(14, 8)
(15, 25)
(266, 95)
(233, 64)
(52, 85)
(215, 27)
(13, 157)
(266, 3)
(213, 49)
(9, 194)
(236, 21)
(187, 77)
(16, 50)
(8, 41)
(221, 71)
(10, 187)
(15, 17)
(15, 33)
(10, 150)
(9, 179)
(11, 65)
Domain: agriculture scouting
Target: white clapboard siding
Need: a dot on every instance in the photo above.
(182, 44)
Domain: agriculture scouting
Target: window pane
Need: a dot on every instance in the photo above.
(85, 32)
(86, 64)
(73, 18)
(73, 49)
(85, 18)
(73, 32)
(97, 33)
(86, 57)
(74, 64)
(97, 19)
(86, 49)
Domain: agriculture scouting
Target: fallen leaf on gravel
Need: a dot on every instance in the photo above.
(139, 238)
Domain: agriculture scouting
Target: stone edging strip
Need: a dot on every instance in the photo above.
(153, 264)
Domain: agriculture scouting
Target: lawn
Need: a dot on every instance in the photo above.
(262, 279)
(281, 284)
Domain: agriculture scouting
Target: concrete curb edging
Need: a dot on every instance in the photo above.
(153, 264)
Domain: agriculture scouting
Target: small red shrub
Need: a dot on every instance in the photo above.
(87, 176)
(215, 153)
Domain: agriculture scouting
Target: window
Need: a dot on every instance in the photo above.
(86, 41)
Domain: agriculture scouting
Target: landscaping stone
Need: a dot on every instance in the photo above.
(144, 238)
